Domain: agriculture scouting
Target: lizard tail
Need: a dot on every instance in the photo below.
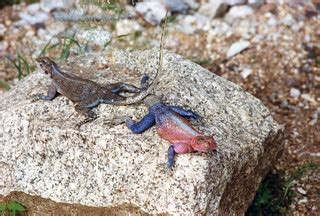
(145, 91)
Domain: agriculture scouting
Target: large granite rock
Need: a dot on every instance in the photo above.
(44, 154)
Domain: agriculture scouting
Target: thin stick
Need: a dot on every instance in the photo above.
(151, 85)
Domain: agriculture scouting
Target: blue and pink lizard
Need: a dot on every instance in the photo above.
(172, 126)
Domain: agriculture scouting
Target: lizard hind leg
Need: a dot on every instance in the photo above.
(85, 110)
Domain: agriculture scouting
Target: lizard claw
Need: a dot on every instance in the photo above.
(129, 122)
(170, 165)
(89, 117)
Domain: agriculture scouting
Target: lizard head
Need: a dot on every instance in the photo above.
(46, 64)
(204, 144)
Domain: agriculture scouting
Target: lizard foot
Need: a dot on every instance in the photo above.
(36, 97)
(85, 121)
(90, 116)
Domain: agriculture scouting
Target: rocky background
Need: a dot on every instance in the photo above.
(269, 47)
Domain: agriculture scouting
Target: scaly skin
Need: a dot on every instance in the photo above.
(85, 93)
(173, 127)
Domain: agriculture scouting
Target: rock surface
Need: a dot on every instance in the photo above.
(42, 152)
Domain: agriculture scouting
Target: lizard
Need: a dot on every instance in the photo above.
(85, 93)
(171, 124)
(88, 94)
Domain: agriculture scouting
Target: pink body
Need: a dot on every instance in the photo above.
(185, 138)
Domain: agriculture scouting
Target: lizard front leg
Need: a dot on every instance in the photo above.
(145, 123)
(51, 94)
(171, 154)
(85, 110)
(184, 113)
(180, 148)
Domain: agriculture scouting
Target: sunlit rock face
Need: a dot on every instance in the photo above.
(44, 153)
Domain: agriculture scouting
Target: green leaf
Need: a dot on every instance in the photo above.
(6, 86)
(15, 206)
(3, 206)
(265, 197)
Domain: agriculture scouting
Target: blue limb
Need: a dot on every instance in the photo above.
(145, 123)
(52, 92)
(171, 154)
(184, 113)
(144, 82)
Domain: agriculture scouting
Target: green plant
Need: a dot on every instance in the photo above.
(111, 6)
(48, 47)
(12, 207)
(203, 62)
(4, 84)
(22, 65)
(274, 193)
(171, 19)
(68, 41)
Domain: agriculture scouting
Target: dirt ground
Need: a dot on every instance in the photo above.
(284, 74)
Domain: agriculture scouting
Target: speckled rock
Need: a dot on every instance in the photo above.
(43, 153)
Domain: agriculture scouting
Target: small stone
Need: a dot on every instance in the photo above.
(214, 9)
(233, 2)
(48, 5)
(186, 25)
(33, 8)
(153, 12)
(246, 72)
(237, 47)
(3, 46)
(8, 22)
(95, 36)
(288, 20)
(314, 119)
(268, 8)
(272, 21)
(295, 93)
(126, 26)
(3, 29)
(307, 38)
(39, 17)
(301, 190)
(74, 14)
(304, 200)
(256, 2)
(308, 97)
(180, 6)
(314, 209)
(240, 11)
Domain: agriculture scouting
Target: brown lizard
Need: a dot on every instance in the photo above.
(84, 92)
(88, 94)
